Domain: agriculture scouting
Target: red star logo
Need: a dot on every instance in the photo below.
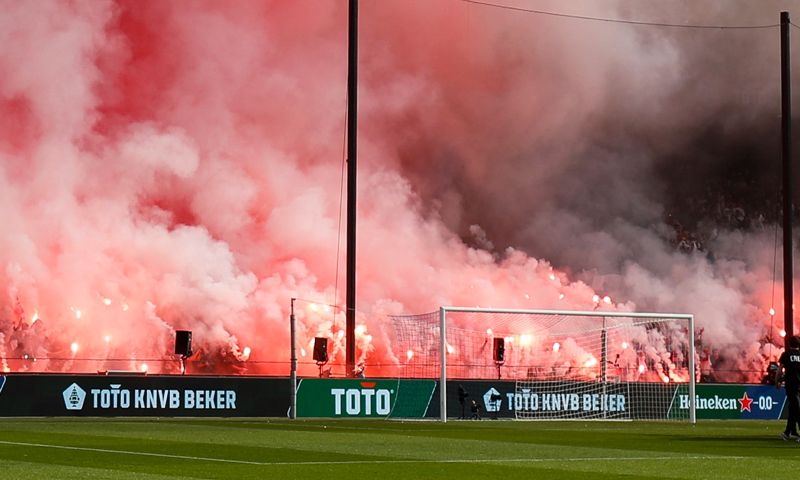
(745, 402)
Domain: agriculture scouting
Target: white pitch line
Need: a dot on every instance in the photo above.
(128, 452)
(504, 460)
(364, 462)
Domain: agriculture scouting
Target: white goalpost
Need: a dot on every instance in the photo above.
(588, 365)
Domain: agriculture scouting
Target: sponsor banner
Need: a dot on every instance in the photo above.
(720, 401)
(364, 398)
(578, 400)
(100, 395)
(550, 400)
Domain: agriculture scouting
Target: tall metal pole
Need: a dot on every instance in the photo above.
(352, 118)
(786, 156)
(293, 381)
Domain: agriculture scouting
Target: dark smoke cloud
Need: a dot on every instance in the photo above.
(598, 146)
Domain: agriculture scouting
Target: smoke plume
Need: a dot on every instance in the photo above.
(179, 165)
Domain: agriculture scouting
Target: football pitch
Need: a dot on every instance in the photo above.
(159, 448)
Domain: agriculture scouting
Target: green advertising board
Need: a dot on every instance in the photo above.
(731, 401)
(382, 398)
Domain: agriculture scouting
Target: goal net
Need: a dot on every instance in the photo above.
(556, 364)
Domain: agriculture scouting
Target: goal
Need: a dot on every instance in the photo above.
(553, 364)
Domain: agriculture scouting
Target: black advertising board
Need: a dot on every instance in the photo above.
(554, 400)
(54, 395)
(130, 396)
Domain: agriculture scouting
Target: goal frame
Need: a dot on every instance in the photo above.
(573, 313)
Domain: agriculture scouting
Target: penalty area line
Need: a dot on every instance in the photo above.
(368, 462)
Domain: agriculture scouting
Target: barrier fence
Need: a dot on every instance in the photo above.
(242, 396)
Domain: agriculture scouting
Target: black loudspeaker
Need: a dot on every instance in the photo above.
(183, 343)
(320, 349)
(499, 350)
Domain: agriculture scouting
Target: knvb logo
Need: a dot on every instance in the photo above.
(492, 400)
(74, 396)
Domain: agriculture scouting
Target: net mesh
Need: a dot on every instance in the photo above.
(415, 340)
(544, 346)
(587, 365)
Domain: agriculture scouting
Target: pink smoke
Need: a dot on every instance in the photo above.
(178, 165)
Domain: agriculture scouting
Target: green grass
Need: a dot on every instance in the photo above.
(388, 450)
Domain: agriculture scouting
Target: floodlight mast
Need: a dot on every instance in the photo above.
(786, 156)
(352, 144)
